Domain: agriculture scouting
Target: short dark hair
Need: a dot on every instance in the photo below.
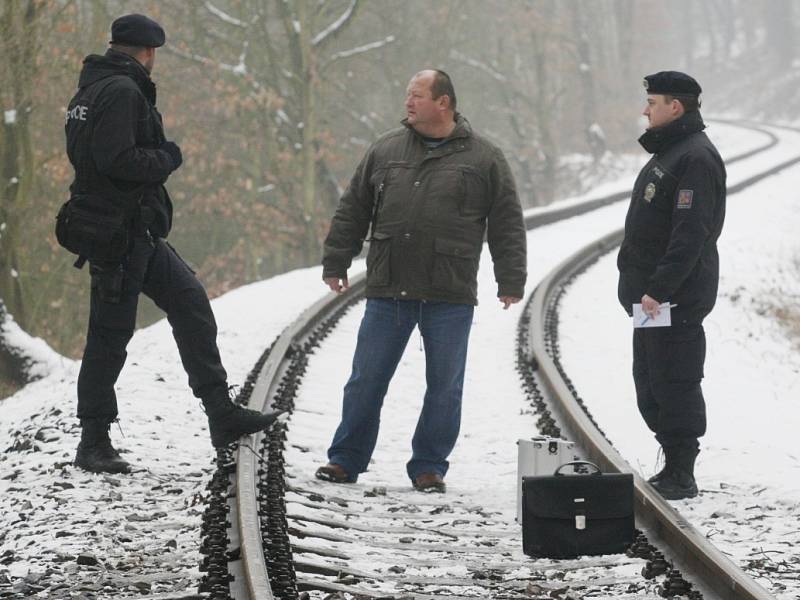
(690, 103)
(125, 49)
(442, 84)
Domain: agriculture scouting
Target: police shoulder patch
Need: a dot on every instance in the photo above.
(685, 198)
(649, 191)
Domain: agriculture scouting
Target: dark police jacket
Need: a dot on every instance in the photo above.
(113, 135)
(675, 217)
(431, 209)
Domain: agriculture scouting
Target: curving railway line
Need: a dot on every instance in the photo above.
(271, 531)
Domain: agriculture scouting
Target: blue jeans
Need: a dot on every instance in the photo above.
(382, 338)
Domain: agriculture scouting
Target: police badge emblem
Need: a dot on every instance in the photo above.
(649, 192)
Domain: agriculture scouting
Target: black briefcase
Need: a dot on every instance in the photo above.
(565, 516)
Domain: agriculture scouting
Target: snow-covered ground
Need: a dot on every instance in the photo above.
(36, 356)
(142, 530)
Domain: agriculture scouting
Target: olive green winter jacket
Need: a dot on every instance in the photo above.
(431, 209)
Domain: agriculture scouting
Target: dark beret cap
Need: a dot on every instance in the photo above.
(672, 83)
(137, 30)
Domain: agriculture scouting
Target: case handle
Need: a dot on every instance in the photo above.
(576, 463)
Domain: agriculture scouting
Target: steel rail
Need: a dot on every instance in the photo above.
(252, 580)
(254, 565)
(755, 126)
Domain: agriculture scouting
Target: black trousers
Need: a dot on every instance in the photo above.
(667, 371)
(155, 269)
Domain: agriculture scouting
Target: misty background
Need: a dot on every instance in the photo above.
(274, 102)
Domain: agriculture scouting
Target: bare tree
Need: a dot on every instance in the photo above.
(19, 21)
(278, 52)
(595, 138)
(274, 102)
(623, 17)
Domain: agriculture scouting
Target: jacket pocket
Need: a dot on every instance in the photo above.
(455, 266)
(474, 202)
(685, 349)
(379, 269)
(393, 184)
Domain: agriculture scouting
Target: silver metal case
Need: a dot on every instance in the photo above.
(540, 456)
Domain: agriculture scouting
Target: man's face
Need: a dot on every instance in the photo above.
(659, 112)
(149, 60)
(421, 108)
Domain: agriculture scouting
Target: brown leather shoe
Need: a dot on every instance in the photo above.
(333, 473)
(430, 483)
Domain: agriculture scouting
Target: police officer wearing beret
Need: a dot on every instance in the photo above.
(121, 156)
(669, 256)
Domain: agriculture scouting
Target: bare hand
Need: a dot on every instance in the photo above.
(508, 301)
(650, 306)
(337, 284)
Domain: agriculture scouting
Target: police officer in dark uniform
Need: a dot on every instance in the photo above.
(117, 146)
(669, 255)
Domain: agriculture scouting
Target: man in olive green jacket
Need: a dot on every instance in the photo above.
(428, 193)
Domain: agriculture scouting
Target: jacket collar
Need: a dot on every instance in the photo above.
(660, 138)
(462, 129)
(137, 72)
(96, 67)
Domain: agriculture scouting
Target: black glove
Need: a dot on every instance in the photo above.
(174, 152)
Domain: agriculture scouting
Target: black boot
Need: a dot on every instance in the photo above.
(664, 470)
(227, 422)
(660, 475)
(95, 452)
(678, 481)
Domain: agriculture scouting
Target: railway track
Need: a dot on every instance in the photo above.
(272, 534)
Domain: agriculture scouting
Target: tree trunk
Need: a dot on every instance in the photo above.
(18, 34)
(543, 106)
(623, 19)
(309, 121)
(595, 139)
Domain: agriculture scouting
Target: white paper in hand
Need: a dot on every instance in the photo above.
(663, 319)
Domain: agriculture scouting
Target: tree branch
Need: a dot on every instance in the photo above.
(224, 17)
(490, 71)
(335, 28)
(345, 100)
(359, 50)
(238, 69)
(292, 28)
